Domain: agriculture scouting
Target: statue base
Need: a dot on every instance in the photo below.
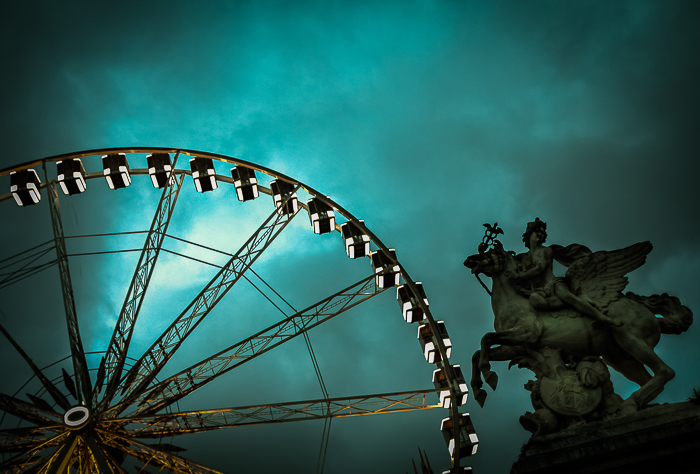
(661, 438)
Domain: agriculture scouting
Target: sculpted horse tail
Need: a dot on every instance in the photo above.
(676, 318)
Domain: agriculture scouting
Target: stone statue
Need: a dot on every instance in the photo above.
(569, 330)
(547, 291)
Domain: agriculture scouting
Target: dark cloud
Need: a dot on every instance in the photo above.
(426, 119)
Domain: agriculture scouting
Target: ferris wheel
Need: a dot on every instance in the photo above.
(106, 409)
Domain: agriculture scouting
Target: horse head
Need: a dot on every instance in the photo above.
(491, 263)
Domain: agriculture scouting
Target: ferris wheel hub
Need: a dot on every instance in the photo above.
(76, 417)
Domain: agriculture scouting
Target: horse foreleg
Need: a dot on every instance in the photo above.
(478, 392)
(490, 377)
(498, 354)
(516, 336)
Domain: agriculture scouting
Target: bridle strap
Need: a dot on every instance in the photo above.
(482, 284)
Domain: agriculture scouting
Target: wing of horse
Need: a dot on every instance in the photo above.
(569, 254)
(600, 276)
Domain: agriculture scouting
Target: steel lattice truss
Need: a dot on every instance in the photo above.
(113, 363)
(82, 376)
(111, 417)
(172, 424)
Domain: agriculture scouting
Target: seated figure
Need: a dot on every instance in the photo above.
(549, 292)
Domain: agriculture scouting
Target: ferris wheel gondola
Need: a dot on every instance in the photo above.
(114, 406)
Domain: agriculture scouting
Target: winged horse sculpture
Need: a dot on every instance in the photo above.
(625, 338)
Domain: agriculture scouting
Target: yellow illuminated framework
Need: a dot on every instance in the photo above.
(95, 427)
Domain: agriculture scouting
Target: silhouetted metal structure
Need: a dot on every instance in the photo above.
(125, 403)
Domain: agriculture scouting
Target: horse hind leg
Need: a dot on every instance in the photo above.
(645, 354)
(628, 367)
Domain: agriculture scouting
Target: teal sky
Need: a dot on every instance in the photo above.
(424, 118)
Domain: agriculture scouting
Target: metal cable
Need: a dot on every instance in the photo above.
(218, 266)
(28, 250)
(35, 270)
(327, 423)
(324, 443)
(325, 435)
(191, 258)
(199, 245)
(36, 256)
(310, 348)
(314, 361)
(105, 235)
(102, 252)
(328, 437)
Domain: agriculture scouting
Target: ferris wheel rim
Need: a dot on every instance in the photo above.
(268, 171)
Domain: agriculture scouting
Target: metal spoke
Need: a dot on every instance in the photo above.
(78, 459)
(149, 454)
(80, 366)
(48, 385)
(116, 467)
(28, 411)
(179, 385)
(35, 446)
(172, 424)
(16, 439)
(124, 329)
(148, 366)
(127, 406)
(61, 459)
(23, 465)
(19, 444)
(98, 456)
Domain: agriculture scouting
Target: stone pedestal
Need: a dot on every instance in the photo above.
(659, 439)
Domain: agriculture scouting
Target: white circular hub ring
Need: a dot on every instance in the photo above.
(76, 417)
